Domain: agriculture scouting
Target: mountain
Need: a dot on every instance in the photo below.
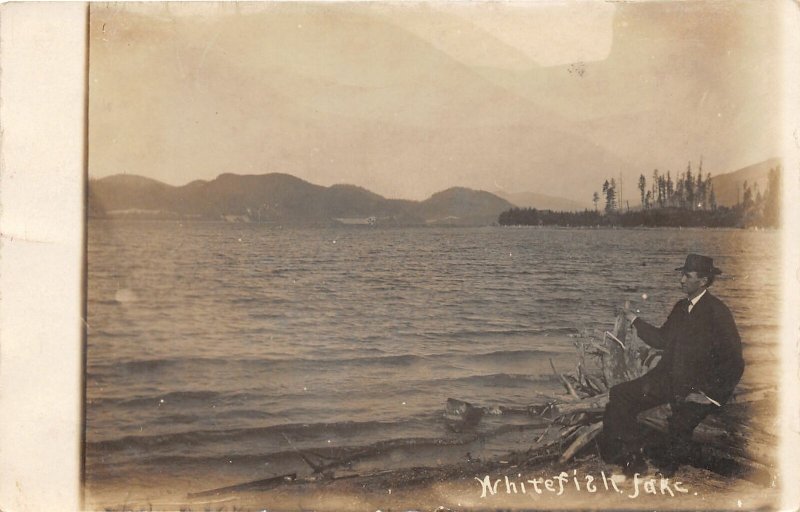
(541, 201)
(728, 186)
(463, 206)
(284, 199)
(351, 91)
(128, 191)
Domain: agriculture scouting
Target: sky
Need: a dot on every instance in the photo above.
(407, 99)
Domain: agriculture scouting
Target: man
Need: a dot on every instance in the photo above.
(701, 365)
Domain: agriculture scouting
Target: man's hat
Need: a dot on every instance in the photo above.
(699, 264)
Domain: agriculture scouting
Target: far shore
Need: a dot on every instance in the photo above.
(125, 219)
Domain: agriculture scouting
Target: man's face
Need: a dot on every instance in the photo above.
(691, 283)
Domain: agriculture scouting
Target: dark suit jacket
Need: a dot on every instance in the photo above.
(702, 349)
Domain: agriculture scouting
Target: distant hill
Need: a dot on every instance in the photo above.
(125, 191)
(284, 199)
(462, 206)
(541, 201)
(728, 186)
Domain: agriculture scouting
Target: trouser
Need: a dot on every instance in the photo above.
(622, 435)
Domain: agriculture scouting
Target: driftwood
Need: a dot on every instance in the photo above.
(564, 381)
(732, 446)
(733, 443)
(255, 485)
(587, 434)
(627, 357)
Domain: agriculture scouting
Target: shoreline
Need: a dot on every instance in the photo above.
(452, 477)
(382, 227)
(463, 486)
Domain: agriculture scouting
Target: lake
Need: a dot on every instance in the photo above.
(214, 350)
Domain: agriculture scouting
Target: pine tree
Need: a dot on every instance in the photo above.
(700, 194)
(670, 191)
(654, 185)
(642, 187)
(612, 189)
(747, 197)
(700, 191)
(609, 189)
(712, 197)
(772, 200)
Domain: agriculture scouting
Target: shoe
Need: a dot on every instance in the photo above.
(664, 462)
(668, 460)
(634, 463)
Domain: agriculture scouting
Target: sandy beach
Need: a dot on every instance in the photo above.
(582, 484)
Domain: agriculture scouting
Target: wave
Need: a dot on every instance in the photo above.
(149, 365)
(299, 364)
(515, 354)
(351, 452)
(499, 380)
(172, 419)
(246, 414)
(141, 365)
(245, 300)
(496, 333)
(181, 397)
(272, 435)
(201, 397)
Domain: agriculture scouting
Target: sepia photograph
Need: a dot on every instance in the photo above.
(434, 255)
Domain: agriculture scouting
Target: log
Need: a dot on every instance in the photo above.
(460, 414)
(549, 446)
(730, 442)
(564, 381)
(315, 467)
(599, 348)
(596, 385)
(586, 435)
(255, 485)
(592, 404)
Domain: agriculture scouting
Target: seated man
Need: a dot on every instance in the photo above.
(700, 367)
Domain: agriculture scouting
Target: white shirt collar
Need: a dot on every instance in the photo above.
(693, 302)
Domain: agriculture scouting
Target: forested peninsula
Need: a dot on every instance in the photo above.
(687, 201)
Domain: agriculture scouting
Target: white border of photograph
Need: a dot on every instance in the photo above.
(43, 55)
(42, 111)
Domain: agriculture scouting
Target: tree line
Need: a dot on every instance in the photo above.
(687, 200)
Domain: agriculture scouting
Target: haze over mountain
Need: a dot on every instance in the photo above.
(283, 199)
(408, 99)
(728, 187)
(542, 201)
